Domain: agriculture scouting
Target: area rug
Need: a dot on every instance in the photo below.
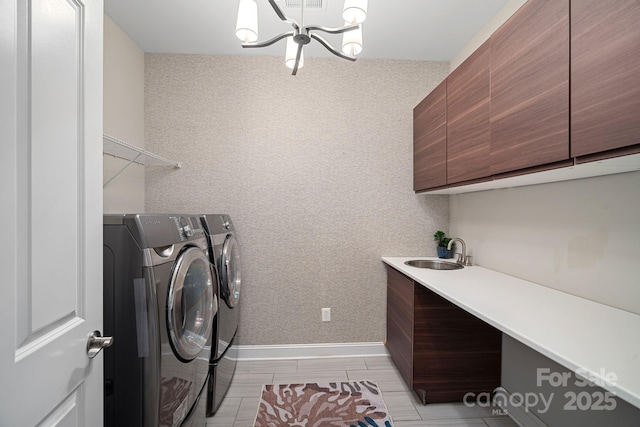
(339, 404)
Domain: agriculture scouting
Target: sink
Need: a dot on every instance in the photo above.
(434, 264)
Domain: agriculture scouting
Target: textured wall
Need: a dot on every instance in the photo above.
(123, 117)
(315, 170)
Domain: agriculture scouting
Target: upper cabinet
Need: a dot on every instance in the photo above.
(430, 140)
(530, 87)
(539, 95)
(605, 75)
(468, 114)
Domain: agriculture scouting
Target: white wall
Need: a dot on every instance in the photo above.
(578, 236)
(123, 117)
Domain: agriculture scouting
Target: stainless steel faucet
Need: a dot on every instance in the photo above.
(463, 258)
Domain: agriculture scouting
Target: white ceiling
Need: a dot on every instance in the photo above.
(396, 29)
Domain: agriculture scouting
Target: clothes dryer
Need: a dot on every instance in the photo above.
(225, 255)
(159, 305)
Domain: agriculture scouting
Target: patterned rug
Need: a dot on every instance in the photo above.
(345, 404)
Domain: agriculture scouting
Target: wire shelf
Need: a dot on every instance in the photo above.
(123, 150)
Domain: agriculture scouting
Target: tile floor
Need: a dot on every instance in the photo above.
(240, 406)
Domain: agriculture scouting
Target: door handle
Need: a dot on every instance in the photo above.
(97, 342)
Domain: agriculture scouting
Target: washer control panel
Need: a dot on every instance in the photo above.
(188, 227)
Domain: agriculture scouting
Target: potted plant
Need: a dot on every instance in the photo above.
(442, 239)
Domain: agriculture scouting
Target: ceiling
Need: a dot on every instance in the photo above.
(432, 30)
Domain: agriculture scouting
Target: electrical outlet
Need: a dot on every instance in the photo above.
(326, 315)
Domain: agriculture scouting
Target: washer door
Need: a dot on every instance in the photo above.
(191, 304)
(230, 280)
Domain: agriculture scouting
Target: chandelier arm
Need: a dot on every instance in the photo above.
(337, 30)
(278, 11)
(298, 55)
(330, 48)
(282, 16)
(270, 42)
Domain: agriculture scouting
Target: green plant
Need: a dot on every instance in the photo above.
(442, 239)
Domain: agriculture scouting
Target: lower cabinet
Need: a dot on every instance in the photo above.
(442, 351)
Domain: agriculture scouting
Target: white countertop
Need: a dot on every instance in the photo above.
(582, 335)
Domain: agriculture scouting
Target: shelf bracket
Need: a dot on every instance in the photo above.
(121, 170)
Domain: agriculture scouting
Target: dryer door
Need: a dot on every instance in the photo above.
(191, 304)
(230, 280)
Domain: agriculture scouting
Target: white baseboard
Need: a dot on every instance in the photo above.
(308, 351)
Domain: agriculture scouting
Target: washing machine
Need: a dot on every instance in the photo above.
(159, 305)
(225, 255)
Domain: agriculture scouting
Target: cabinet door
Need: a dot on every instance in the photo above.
(605, 75)
(468, 111)
(530, 87)
(430, 140)
(454, 351)
(400, 322)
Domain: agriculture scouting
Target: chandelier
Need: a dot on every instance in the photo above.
(354, 13)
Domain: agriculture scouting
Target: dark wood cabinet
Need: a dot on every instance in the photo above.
(557, 84)
(605, 75)
(400, 322)
(441, 351)
(530, 87)
(430, 140)
(468, 114)
(454, 352)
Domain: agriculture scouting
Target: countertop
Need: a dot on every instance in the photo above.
(596, 340)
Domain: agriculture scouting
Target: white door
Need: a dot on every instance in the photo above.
(50, 212)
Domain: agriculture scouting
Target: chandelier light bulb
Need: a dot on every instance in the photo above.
(352, 41)
(291, 52)
(247, 23)
(355, 11)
